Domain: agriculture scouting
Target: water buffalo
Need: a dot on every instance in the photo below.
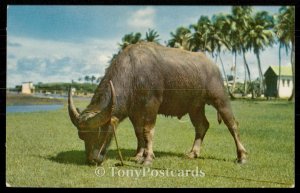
(147, 79)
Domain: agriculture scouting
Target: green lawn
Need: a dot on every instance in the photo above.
(43, 150)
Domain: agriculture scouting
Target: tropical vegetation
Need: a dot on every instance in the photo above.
(240, 32)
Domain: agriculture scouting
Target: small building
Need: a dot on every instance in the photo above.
(73, 91)
(285, 84)
(27, 88)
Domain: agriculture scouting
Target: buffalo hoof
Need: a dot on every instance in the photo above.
(139, 159)
(241, 161)
(91, 162)
(192, 155)
(147, 162)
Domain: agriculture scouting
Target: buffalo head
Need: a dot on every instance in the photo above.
(94, 126)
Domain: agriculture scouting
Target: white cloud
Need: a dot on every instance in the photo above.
(55, 61)
(40, 60)
(142, 19)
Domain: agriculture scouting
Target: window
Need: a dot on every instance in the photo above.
(283, 82)
(288, 83)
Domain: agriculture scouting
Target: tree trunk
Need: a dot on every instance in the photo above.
(234, 74)
(249, 76)
(261, 85)
(245, 80)
(225, 76)
(292, 97)
(279, 73)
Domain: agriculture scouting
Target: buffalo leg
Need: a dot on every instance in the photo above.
(201, 125)
(140, 145)
(148, 137)
(228, 118)
(139, 133)
(145, 114)
(150, 113)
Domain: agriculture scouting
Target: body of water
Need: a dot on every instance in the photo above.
(59, 96)
(31, 108)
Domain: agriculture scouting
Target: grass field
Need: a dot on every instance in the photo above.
(43, 150)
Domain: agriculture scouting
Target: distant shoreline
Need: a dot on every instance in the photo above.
(27, 99)
(23, 99)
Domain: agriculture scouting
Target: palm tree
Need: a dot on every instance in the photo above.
(232, 32)
(130, 39)
(218, 40)
(93, 78)
(260, 35)
(152, 36)
(200, 35)
(242, 15)
(87, 78)
(181, 39)
(210, 36)
(213, 46)
(285, 32)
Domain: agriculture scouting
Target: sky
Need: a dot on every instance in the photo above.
(65, 43)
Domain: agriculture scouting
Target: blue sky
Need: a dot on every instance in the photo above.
(61, 43)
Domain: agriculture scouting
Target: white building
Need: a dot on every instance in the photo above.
(273, 86)
(27, 88)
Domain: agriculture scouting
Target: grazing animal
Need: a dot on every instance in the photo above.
(147, 79)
